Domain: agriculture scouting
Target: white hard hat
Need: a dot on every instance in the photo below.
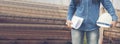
(104, 20)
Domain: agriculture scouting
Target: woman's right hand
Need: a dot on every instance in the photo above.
(68, 23)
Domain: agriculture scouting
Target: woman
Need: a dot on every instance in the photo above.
(89, 11)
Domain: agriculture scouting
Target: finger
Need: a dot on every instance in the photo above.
(69, 25)
(113, 26)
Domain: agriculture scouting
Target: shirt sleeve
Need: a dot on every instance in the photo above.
(71, 9)
(109, 7)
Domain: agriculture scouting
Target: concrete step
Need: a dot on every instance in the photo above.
(111, 36)
(33, 4)
(5, 18)
(31, 8)
(34, 41)
(32, 26)
(112, 32)
(111, 41)
(29, 11)
(33, 32)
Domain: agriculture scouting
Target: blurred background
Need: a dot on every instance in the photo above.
(42, 22)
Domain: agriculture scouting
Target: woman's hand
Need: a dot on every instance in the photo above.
(68, 23)
(114, 23)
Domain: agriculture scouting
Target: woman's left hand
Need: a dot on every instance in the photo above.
(114, 24)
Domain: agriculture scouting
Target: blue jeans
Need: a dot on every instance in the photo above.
(91, 36)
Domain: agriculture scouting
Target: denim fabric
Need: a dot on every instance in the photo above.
(91, 36)
(89, 10)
